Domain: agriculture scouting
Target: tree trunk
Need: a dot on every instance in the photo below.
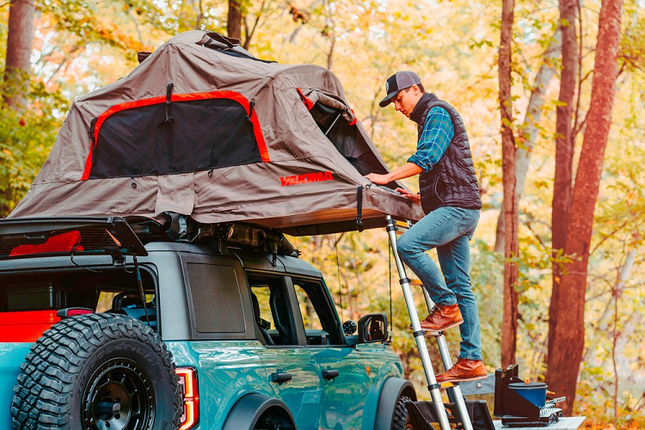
(329, 31)
(616, 350)
(569, 334)
(330, 54)
(529, 128)
(234, 23)
(564, 145)
(509, 322)
(18, 57)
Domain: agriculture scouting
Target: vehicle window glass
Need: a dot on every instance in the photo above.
(216, 297)
(310, 318)
(272, 310)
(107, 300)
(320, 321)
(35, 298)
(263, 295)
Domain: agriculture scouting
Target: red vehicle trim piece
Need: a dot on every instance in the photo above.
(64, 242)
(308, 102)
(26, 326)
(231, 95)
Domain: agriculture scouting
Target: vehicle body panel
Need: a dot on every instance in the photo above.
(303, 393)
(226, 371)
(12, 356)
(232, 364)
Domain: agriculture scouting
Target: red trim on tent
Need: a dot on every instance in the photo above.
(231, 95)
(355, 119)
(308, 102)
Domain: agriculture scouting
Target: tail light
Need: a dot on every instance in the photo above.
(190, 392)
(72, 312)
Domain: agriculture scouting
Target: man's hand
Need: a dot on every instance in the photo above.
(416, 198)
(401, 172)
(378, 179)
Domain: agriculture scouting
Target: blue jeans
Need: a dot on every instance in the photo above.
(448, 229)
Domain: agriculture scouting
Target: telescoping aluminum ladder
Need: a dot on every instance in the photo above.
(454, 391)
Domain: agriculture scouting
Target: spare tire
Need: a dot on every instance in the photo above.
(98, 372)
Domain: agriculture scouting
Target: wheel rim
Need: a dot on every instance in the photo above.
(265, 422)
(118, 396)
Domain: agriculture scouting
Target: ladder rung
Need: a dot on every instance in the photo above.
(433, 333)
(401, 224)
(428, 333)
(416, 283)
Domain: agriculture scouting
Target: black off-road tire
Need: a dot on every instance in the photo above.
(97, 372)
(401, 419)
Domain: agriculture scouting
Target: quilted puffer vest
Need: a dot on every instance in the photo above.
(452, 181)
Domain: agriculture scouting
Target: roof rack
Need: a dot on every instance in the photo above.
(182, 228)
(32, 237)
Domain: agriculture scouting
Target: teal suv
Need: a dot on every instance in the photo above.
(111, 324)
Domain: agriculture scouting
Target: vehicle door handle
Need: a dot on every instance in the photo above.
(280, 377)
(329, 374)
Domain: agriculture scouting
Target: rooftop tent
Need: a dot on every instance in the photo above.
(202, 128)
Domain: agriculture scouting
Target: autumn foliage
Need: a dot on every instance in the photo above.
(79, 46)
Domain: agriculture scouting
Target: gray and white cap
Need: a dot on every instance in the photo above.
(397, 82)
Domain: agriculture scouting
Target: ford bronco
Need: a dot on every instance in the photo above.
(114, 324)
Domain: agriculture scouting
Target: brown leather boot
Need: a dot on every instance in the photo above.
(464, 370)
(442, 318)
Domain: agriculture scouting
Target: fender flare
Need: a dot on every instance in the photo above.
(249, 408)
(393, 388)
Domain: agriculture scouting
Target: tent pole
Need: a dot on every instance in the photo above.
(332, 124)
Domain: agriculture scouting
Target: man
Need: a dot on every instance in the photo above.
(450, 197)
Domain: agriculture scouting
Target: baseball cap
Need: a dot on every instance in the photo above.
(397, 82)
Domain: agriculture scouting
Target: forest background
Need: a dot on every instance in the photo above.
(76, 46)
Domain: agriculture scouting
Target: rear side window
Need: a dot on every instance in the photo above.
(216, 298)
(29, 296)
(29, 301)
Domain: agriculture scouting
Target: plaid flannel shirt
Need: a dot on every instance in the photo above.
(437, 133)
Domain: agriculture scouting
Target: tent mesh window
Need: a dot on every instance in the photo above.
(338, 131)
(199, 135)
(347, 140)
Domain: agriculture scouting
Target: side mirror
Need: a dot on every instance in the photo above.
(372, 328)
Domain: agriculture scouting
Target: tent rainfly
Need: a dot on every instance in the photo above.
(204, 129)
